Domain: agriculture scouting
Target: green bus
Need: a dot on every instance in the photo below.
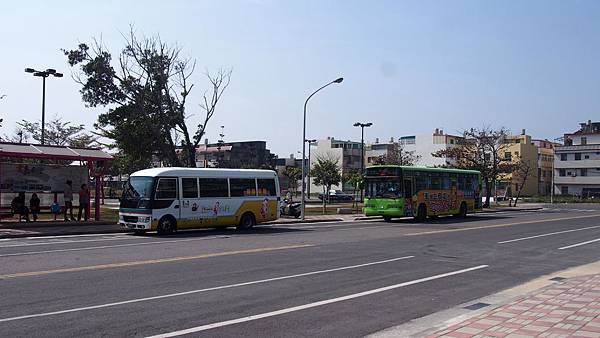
(400, 191)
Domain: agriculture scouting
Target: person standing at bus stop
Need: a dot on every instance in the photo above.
(68, 197)
(84, 203)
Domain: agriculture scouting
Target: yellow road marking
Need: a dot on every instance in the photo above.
(497, 225)
(152, 261)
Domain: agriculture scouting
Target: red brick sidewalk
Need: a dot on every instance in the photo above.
(570, 308)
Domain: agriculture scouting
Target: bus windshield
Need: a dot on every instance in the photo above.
(383, 187)
(138, 187)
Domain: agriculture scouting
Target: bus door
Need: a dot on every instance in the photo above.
(408, 196)
(166, 201)
(190, 203)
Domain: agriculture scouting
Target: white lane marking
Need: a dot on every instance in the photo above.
(92, 307)
(69, 242)
(312, 305)
(73, 236)
(579, 244)
(548, 234)
(108, 246)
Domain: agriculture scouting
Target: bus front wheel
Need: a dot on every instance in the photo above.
(247, 221)
(166, 226)
(421, 213)
(387, 218)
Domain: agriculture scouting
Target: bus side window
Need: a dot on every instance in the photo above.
(421, 183)
(214, 187)
(166, 189)
(189, 187)
(408, 193)
(266, 187)
(461, 182)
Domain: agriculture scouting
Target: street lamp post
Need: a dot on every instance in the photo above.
(310, 142)
(43, 74)
(362, 149)
(302, 202)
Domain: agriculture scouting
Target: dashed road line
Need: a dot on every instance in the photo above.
(548, 234)
(314, 304)
(138, 300)
(579, 244)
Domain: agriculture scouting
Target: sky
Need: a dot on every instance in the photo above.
(408, 66)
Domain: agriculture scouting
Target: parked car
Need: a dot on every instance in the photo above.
(337, 195)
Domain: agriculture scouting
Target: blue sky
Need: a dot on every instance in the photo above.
(409, 66)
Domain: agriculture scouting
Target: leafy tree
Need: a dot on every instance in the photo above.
(146, 91)
(355, 178)
(57, 133)
(326, 172)
(481, 150)
(398, 156)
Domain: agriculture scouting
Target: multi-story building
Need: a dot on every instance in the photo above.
(519, 148)
(424, 146)
(346, 153)
(577, 162)
(375, 151)
(545, 159)
(239, 155)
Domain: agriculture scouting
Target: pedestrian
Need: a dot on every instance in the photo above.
(34, 206)
(18, 206)
(68, 197)
(84, 203)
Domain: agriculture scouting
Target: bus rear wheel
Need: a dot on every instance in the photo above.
(421, 213)
(462, 213)
(246, 222)
(166, 226)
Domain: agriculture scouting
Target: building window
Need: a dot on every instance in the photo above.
(577, 156)
(584, 141)
(507, 156)
(584, 172)
(564, 190)
(563, 157)
(587, 157)
(561, 172)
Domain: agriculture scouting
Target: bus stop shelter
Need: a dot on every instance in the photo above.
(95, 159)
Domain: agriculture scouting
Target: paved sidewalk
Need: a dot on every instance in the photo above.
(570, 308)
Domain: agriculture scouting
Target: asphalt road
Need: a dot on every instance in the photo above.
(343, 279)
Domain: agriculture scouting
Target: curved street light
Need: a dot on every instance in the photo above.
(302, 202)
(43, 74)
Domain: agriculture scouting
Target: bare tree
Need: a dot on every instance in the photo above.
(398, 156)
(149, 86)
(521, 170)
(481, 150)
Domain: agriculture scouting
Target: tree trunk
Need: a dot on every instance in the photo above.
(488, 194)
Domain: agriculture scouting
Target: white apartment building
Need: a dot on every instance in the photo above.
(577, 162)
(425, 145)
(347, 154)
